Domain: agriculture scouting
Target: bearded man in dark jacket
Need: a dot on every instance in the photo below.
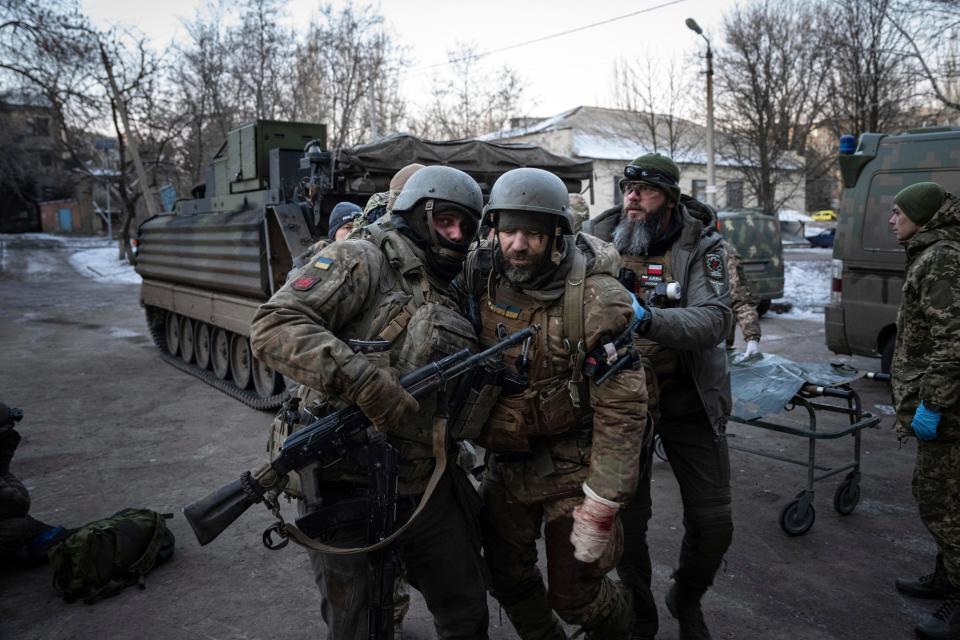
(681, 338)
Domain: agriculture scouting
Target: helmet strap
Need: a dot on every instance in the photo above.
(555, 254)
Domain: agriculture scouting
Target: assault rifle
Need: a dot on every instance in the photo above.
(328, 439)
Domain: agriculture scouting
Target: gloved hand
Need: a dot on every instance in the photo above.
(925, 422)
(593, 523)
(384, 401)
(640, 310)
(753, 346)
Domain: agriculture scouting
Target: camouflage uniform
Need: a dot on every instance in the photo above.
(926, 366)
(379, 288)
(545, 448)
(689, 397)
(741, 302)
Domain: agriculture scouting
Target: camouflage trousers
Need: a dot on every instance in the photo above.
(440, 558)
(936, 486)
(701, 464)
(580, 593)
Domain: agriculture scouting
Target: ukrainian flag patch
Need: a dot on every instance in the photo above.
(323, 263)
(507, 311)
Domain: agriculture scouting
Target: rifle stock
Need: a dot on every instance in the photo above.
(211, 515)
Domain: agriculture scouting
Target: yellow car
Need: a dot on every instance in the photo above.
(824, 215)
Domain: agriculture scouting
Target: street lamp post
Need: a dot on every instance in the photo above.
(711, 167)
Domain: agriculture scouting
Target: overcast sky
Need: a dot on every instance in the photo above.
(560, 72)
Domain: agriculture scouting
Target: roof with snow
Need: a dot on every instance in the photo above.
(618, 134)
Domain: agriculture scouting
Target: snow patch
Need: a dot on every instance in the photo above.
(102, 265)
(806, 287)
(117, 332)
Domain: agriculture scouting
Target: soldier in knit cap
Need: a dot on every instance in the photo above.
(926, 386)
(664, 247)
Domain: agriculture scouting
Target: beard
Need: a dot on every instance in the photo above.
(521, 274)
(633, 237)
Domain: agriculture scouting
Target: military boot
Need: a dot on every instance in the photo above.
(533, 618)
(935, 586)
(685, 607)
(944, 624)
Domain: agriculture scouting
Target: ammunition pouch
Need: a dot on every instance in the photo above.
(545, 410)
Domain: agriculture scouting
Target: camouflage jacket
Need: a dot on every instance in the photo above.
(741, 302)
(356, 289)
(926, 362)
(699, 326)
(607, 456)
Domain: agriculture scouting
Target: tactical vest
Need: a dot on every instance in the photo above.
(556, 400)
(424, 329)
(659, 363)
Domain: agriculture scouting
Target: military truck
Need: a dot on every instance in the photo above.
(868, 263)
(211, 261)
(756, 237)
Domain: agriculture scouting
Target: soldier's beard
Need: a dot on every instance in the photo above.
(633, 237)
(521, 274)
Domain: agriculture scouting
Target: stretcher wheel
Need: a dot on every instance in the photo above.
(793, 522)
(846, 498)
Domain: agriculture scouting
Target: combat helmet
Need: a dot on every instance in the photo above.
(533, 191)
(430, 190)
(656, 170)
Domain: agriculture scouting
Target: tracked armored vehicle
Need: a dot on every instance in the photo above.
(208, 264)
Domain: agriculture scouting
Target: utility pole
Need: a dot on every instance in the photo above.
(711, 166)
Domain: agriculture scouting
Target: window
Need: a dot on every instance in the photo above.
(876, 235)
(617, 195)
(698, 189)
(734, 194)
(41, 127)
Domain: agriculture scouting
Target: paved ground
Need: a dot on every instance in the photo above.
(109, 425)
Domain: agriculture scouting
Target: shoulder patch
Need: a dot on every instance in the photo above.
(713, 262)
(323, 263)
(305, 282)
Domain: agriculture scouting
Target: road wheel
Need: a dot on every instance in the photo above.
(220, 353)
(186, 339)
(795, 523)
(201, 344)
(172, 332)
(763, 307)
(265, 380)
(847, 497)
(241, 361)
(886, 356)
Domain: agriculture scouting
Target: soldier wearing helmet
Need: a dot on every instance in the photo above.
(564, 450)
(680, 337)
(360, 314)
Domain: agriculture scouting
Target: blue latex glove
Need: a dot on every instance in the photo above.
(639, 311)
(925, 422)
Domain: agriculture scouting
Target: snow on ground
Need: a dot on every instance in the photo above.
(103, 266)
(806, 286)
(91, 256)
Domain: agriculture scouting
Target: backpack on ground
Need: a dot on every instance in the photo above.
(103, 557)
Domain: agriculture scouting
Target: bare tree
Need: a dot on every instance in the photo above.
(259, 51)
(470, 99)
(772, 90)
(659, 99)
(203, 111)
(872, 84)
(930, 29)
(347, 75)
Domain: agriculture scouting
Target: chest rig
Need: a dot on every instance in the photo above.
(556, 399)
(659, 363)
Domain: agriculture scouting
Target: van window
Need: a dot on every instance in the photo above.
(876, 235)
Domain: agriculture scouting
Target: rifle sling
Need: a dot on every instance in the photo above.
(439, 453)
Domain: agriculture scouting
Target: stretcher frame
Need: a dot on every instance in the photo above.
(798, 516)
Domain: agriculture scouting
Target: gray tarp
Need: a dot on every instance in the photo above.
(763, 384)
(485, 161)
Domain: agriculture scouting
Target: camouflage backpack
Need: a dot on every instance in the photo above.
(103, 557)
